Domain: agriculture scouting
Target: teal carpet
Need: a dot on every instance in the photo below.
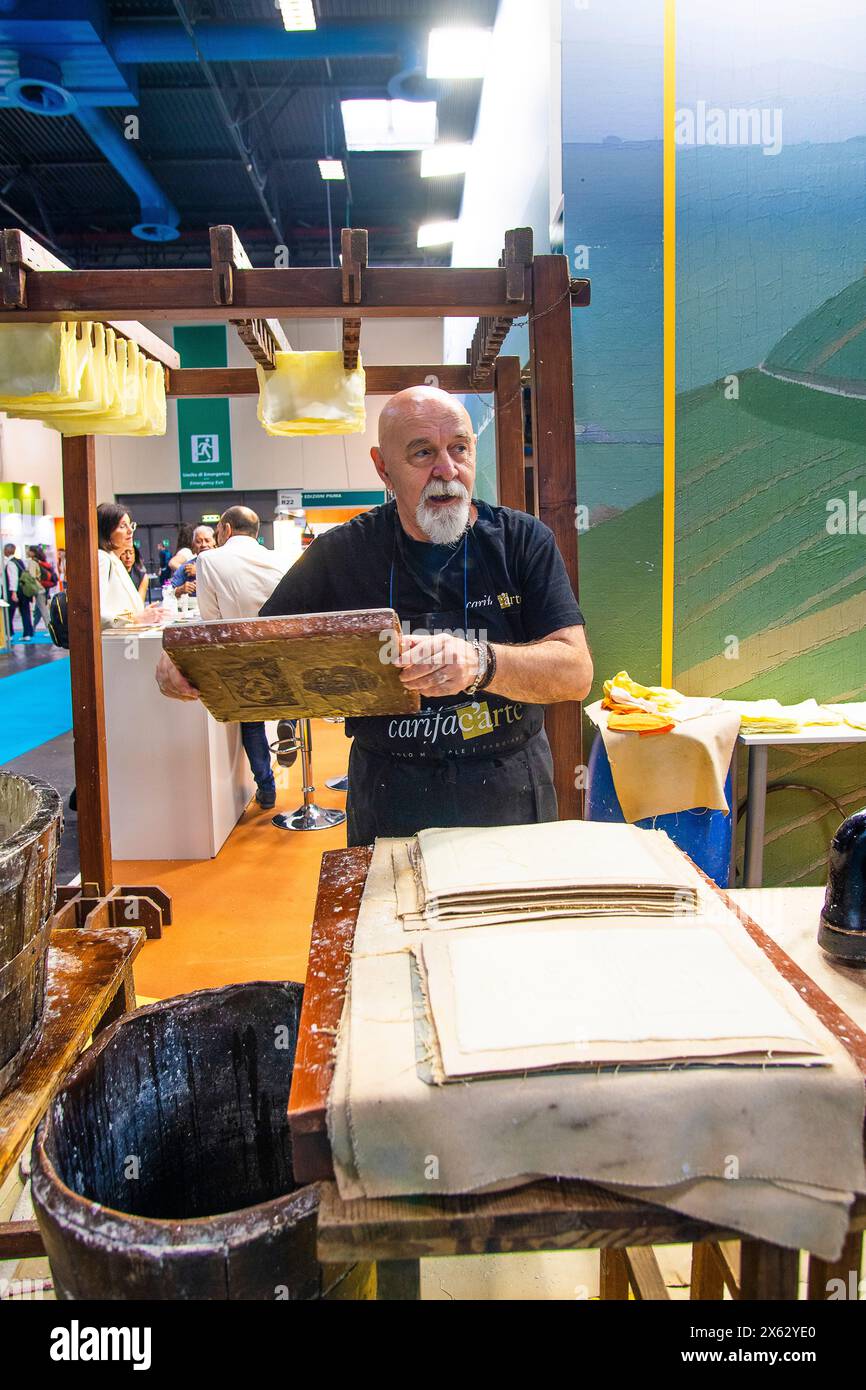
(35, 706)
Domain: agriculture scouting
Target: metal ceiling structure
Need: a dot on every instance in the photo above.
(232, 139)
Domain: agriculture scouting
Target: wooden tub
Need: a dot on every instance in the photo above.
(30, 825)
(163, 1169)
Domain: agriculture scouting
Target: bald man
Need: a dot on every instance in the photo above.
(492, 633)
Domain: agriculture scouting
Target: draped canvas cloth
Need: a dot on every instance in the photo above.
(774, 1152)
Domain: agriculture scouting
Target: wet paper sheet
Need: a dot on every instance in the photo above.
(522, 999)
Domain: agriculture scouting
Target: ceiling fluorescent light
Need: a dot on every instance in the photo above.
(389, 125)
(332, 169)
(297, 14)
(442, 160)
(436, 234)
(455, 53)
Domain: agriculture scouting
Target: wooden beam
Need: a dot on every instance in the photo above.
(517, 260)
(20, 1240)
(508, 420)
(768, 1272)
(149, 343)
(407, 292)
(20, 254)
(381, 381)
(354, 254)
(556, 480)
(85, 661)
(644, 1274)
(263, 337)
(845, 1270)
(612, 1276)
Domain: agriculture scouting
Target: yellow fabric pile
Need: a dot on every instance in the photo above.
(854, 715)
(652, 709)
(311, 393)
(770, 717)
(80, 379)
(649, 709)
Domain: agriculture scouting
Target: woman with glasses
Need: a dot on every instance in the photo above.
(118, 596)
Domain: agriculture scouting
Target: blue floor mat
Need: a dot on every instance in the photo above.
(35, 706)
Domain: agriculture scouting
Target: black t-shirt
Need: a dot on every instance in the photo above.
(504, 581)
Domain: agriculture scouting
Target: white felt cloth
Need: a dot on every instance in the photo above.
(792, 1136)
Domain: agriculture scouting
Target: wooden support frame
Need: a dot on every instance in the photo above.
(492, 330)
(85, 661)
(263, 337)
(20, 254)
(187, 295)
(381, 381)
(129, 906)
(508, 421)
(555, 463)
(354, 255)
(36, 287)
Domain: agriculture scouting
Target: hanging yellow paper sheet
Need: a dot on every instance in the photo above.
(311, 393)
(80, 379)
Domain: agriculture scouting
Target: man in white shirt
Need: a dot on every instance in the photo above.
(234, 581)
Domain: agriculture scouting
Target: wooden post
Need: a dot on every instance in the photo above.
(556, 482)
(612, 1276)
(508, 413)
(85, 660)
(846, 1270)
(768, 1272)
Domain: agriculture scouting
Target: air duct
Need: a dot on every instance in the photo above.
(163, 41)
(53, 79)
(158, 218)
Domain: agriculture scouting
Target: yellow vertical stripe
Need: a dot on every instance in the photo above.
(669, 232)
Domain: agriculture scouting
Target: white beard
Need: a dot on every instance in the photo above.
(443, 527)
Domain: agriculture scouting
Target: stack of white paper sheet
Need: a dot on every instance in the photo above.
(572, 994)
(488, 876)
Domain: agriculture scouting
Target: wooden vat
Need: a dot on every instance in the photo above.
(163, 1169)
(30, 825)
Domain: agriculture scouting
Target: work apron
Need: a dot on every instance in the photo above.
(397, 790)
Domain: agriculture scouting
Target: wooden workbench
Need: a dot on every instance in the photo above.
(89, 984)
(548, 1215)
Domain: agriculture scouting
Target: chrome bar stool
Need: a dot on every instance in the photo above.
(309, 816)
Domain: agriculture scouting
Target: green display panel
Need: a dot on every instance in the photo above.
(203, 426)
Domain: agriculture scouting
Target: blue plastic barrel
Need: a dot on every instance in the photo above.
(704, 835)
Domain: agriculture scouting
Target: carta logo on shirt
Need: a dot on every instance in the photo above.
(470, 721)
(477, 719)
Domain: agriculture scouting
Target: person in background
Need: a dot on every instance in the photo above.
(13, 568)
(233, 581)
(183, 582)
(131, 558)
(45, 573)
(184, 549)
(118, 596)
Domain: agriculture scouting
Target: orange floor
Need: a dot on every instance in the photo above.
(245, 915)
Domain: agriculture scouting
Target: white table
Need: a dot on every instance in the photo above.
(178, 780)
(791, 917)
(756, 793)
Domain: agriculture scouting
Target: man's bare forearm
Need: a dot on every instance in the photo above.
(543, 673)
